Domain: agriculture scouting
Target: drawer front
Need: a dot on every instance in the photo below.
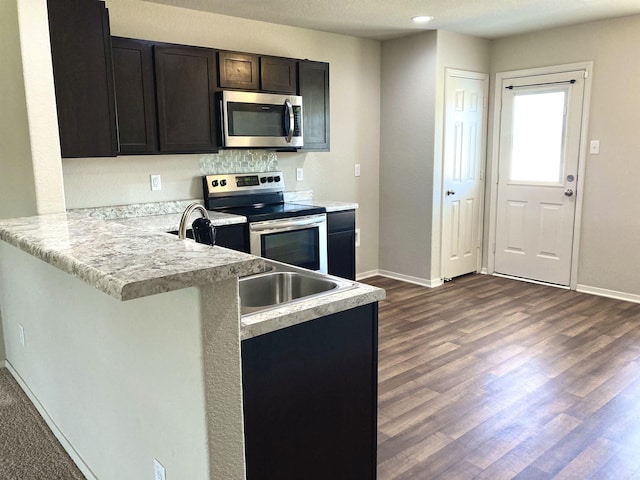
(341, 221)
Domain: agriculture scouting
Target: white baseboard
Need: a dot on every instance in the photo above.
(369, 274)
(436, 282)
(484, 271)
(86, 471)
(603, 292)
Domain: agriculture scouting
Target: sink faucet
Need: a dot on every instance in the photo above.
(182, 230)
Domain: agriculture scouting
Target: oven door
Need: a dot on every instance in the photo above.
(299, 241)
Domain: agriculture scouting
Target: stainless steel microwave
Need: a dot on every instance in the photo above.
(260, 120)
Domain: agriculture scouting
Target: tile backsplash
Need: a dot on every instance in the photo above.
(239, 161)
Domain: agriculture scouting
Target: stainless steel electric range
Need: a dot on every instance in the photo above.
(288, 232)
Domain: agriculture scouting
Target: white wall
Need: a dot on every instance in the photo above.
(31, 179)
(406, 153)
(122, 380)
(413, 76)
(17, 189)
(609, 254)
(126, 382)
(355, 117)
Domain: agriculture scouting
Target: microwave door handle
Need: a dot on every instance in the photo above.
(287, 104)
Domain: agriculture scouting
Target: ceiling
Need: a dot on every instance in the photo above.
(385, 19)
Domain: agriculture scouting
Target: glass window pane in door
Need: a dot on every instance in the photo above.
(538, 134)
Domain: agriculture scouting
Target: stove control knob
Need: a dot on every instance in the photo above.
(276, 178)
(214, 183)
(270, 179)
(263, 179)
(223, 183)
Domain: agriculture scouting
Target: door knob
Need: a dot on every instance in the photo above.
(568, 192)
(450, 192)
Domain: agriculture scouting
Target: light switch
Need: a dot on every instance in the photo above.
(594, 147)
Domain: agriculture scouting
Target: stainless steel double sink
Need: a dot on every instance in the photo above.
(284, 284)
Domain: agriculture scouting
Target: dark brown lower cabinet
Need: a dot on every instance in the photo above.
(310, 399)
(341, 243)
(235, 237)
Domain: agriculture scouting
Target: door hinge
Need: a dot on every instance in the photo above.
(586, 74)
(494, 248)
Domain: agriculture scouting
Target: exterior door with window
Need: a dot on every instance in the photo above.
(540, 133)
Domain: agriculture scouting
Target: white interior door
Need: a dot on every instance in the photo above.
(464, 147)
(540, 127)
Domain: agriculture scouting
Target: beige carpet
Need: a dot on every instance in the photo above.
(28, 449)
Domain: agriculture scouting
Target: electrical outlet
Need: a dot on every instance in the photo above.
(356, 170)
(594, 147)
(357, 237)
(160, 473)
(21, 334)
(299, 174)
(156, 182)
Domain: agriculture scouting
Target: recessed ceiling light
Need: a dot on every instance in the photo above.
(422, 19)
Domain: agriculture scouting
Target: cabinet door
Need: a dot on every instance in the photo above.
(235, 237)
(238, 70)
(342, 254)
(313, 85)
(341, 244)
(310, 398)
(185, 83)
(81, 57)
(278, 75)
(135, 95)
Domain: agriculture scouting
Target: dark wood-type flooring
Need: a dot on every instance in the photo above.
(487, 377)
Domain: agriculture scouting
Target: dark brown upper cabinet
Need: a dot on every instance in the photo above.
(278, 75)
(313, 86)
(238, 70)
(185, 86)
(81, 57)
(135, 95)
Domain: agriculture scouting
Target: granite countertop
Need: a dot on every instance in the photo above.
(287, 315)
(170, 222)
(333, 206)
(124, 261)
(129, 257)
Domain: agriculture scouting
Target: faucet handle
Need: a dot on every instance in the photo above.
(204, 231)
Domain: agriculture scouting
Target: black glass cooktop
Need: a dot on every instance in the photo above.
(262, 212)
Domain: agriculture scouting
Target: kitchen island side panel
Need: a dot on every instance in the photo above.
(122, 381)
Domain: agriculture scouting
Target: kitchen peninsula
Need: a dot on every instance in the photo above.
(128, 340)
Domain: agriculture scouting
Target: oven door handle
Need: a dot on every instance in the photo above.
(279, 224)
(289, 108)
